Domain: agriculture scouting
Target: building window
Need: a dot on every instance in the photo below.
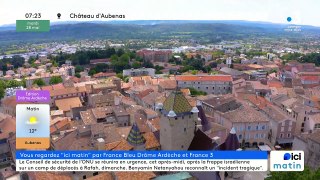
(212, 87)
(257, 127)
(249, 128)
(290, 128)
(185, 129)
(263, 127)
(289, 135)
(198, 82)
(207, 87)
(256, 136)
(84, 177)
(282, 129)
(283, 123)
(281, 135)
(182, 146)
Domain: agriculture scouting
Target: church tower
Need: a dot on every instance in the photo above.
(177, 122)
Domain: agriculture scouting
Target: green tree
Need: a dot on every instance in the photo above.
(77, 75)
(79, 68)
(306, 174)
(136, 65)
(195, 92)
(2, 92)
(120, 52)
(92, 72)
(55, 80)
(39, 82)
(13, 83)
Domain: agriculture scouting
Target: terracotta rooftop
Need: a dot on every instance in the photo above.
(7, 125)
(258, 101)
(101, 74)
(48, 176)
(151, 141)
(119, 145)
(227, 78)
(72, 141)
(101, 112)
(102, 176)
(289, 102)
(102, 98)
(310, 78)
(58, 125)
(53, 87)
(111, 134)
(134, 175)
(68, 103)
(87, 117)
(150, 99)
(276, 84)
(274, 113)
(245, 113)
(155, 123)
(69, 90)
(144, 93)
(168, 84)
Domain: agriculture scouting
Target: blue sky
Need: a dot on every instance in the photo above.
(304, 12)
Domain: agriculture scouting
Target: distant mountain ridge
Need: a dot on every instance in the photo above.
(200, 30)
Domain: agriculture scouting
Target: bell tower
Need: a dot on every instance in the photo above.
(177, 122)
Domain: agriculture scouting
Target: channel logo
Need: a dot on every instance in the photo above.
(292, 156)
(286, 161)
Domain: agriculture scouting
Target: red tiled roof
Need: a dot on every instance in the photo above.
(276, 84)
(144, 93)
(205, 78)
(310, 78)
(96, 61)
(101, 74)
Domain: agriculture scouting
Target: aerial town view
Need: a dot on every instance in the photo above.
(227, 85)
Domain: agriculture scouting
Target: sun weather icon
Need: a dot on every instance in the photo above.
(286, 156)
(32, 120)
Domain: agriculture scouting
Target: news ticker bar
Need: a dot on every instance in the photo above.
(141, 161)
(84, 154)
(159, 160)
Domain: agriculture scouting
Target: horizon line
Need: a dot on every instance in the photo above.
(120, 20)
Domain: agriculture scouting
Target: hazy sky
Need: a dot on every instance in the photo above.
(304, 12)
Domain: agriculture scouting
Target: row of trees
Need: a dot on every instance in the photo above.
(16, 61)
(53, 80)
(303, 58)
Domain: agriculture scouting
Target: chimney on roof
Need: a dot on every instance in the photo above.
(101, 144)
